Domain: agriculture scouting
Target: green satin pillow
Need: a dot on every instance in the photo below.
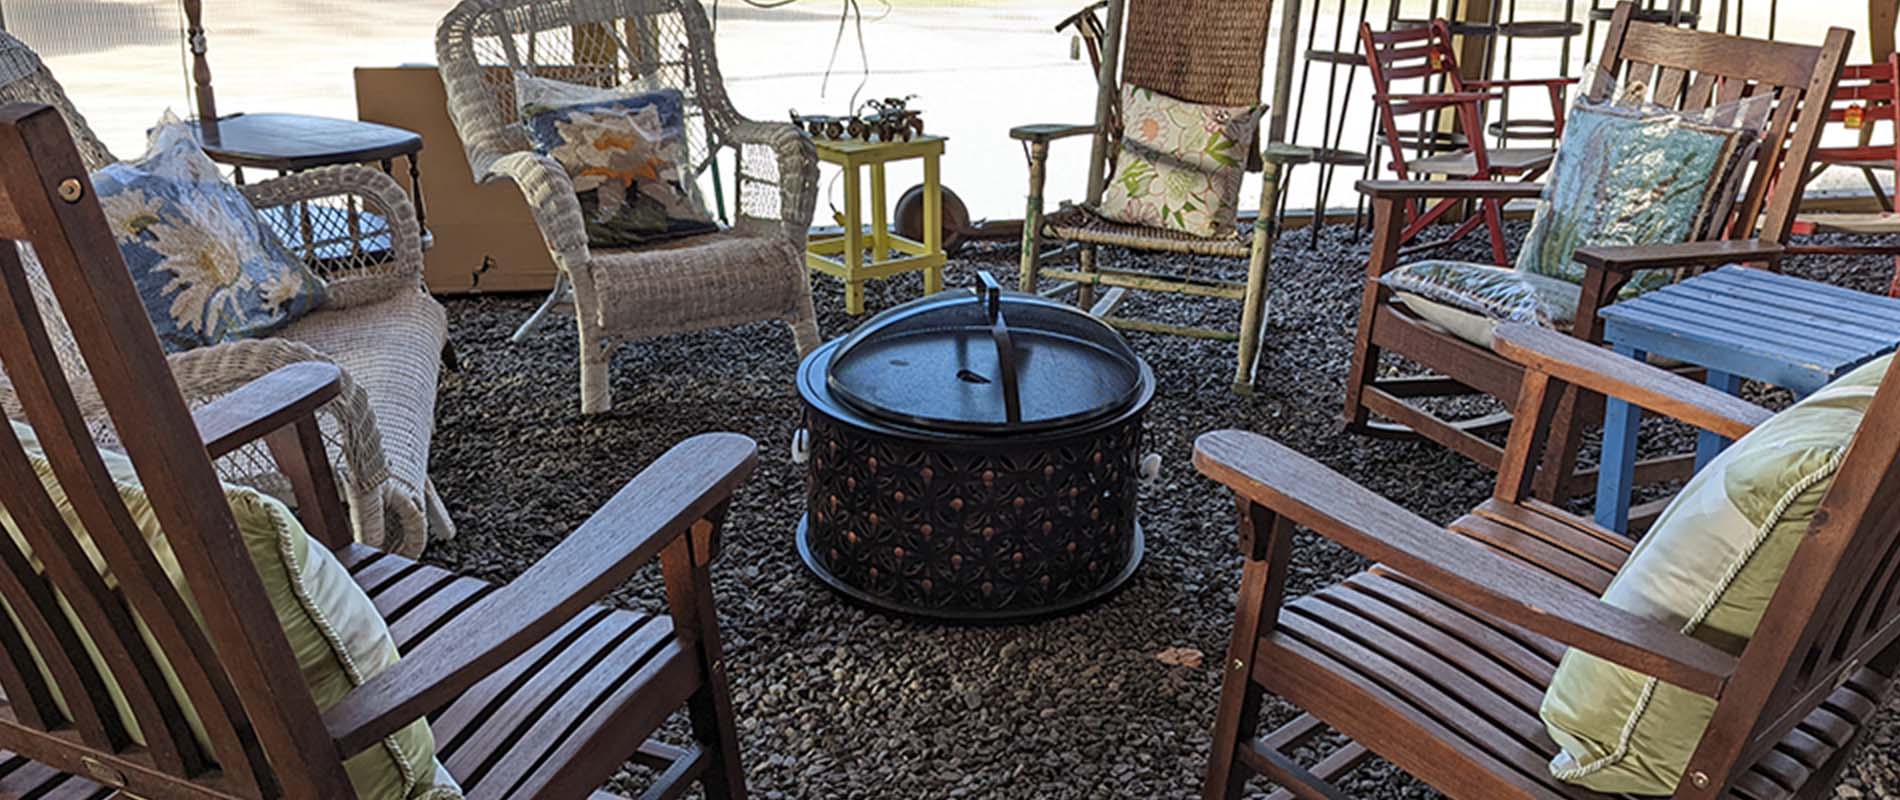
(1710, 566)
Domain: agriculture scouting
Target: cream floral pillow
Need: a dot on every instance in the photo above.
(1180, 164)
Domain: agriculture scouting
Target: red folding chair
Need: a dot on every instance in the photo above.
(1425, 54)
(1866, 94)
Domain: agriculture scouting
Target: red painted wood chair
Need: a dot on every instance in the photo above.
(532, 690)
(1866, 94)
(1427, 55)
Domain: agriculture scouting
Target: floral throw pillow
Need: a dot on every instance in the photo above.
(207, 267)
(626, 153)
(1180, 163)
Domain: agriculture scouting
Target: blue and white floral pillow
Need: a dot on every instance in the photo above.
(206, 266)
(626, 152)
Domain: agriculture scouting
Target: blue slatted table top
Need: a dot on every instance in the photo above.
(1757, 324)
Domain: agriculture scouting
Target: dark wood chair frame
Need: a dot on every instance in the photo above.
(1518, 581)
(1682, 68)
(267, 737)
(1426, 53)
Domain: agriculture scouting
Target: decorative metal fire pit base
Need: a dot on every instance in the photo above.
(883, 595)
(974, 459)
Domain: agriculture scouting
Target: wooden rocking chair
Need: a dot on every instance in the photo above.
(1425, 53)
(1202, 51)
(535, 692)
(1437, 658)
(1680, 68)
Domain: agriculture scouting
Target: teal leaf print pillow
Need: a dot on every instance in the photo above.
(1180, 163)
(626, 153)
(1633, 176)
(207, 267)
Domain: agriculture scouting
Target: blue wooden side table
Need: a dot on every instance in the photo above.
(1739, 323)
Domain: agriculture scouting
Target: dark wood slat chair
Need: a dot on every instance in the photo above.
(1684, 69)
(533, 691)
(1437, 658)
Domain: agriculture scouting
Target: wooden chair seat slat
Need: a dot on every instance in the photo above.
(1535, 551)
(1530, 656)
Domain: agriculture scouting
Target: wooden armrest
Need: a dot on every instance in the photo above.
(1048, 131)
(1680, 254)
(682, 487)
(1439, 98)
(1580, 363)
(1502, 190)
(1309, 494)
(265, 405)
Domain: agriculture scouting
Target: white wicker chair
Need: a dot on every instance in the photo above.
(753, 271)
(377, 324)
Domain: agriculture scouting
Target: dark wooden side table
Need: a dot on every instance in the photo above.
(1739, 323)
(296, 142)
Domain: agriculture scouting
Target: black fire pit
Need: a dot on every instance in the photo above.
(974, 457)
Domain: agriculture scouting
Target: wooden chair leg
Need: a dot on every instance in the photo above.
(1253, 312)
(1085, 262)
(1032, 216)
(1387, 233)
(1266, 540)
(1494, 222)
(685, 564)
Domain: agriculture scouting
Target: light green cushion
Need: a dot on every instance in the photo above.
(1471, 300)
(1710, 565)
(339, 639)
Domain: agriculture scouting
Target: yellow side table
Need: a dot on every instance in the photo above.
(891, 254)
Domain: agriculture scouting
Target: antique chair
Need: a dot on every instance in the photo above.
(531, 691)
(1437, 658)
(1868, 93)
(378, 325)
(753, 271)
(1425, 54)
(1679, 68)
(1200, 51)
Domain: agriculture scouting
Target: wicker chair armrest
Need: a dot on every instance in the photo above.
(374, 271)
(1307, 493)
(795, 160)
(549, 193)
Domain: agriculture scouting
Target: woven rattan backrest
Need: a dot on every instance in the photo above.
(1691, 70)
(1205, 51)
(258, 732)
(646, 44)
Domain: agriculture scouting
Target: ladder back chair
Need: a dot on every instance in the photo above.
(1437, 658)
(1201, 51)
(1676, 68)
(752, 271)
(491, 664)
(1867, 94)
(1429, 54)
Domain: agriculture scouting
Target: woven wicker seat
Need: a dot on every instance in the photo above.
(1201, 51)
(377, 323)
(754, 272)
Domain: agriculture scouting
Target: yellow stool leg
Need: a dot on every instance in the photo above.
(880, 223)
(933, 223)
(853, 242)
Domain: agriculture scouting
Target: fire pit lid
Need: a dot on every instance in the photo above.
(988, 362)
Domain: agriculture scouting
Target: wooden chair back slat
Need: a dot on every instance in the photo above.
(1203, 51)
(1669, 83)
(266, 736)
(1701, 91)
(67, 444)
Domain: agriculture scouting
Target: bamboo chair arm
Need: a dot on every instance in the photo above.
(1048, 131)
(690, 483)
(1580, 363)
(267, 404)
(1505, 84)
(1307, 493)
(1681, 254)
(1477, 190)
(1437, 99)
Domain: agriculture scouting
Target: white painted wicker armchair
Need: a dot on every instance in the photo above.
(753, 271)
(377, 324)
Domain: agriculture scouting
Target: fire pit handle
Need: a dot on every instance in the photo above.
(991, 294)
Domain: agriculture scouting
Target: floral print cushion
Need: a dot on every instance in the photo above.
(1630, 176)
(626, 153)
(1180, 163)
(207, 267)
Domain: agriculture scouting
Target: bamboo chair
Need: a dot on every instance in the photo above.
(1428, 53)
(1203, 51)
(751, 272)
(1680, 68)
(1868, 93)
(1436, 658)
(494, 664)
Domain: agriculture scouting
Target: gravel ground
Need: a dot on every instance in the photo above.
(838, 702)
